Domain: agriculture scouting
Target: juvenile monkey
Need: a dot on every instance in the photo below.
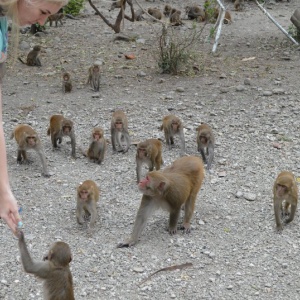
(175, 18)
(195, 12)
(285, 188)
(56, 18)
(206, 141)
(172, 125)
(239, 5)
(94, 77)
(33, 57)
(169, 189)
(66, 83)
(167, 10)
(27, 138)
(138, 15)
(97, 146)
(53, 269)
(156, 13)
(119, 130)
(148, 152)
(59, 127)
(87, 198)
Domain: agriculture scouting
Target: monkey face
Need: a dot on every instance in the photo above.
(281, 190)
(31, 141)
(142, 153)
(84, 195)
(67, 129)
(96, 69)
(175, 126)
(119, 125)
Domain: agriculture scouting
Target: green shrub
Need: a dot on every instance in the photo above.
(74, 7)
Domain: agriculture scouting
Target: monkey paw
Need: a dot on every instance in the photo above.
(186, 228)
(172, 231)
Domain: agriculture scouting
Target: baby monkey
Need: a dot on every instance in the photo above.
(53, 269)
(33, 57)
(285, 188)
(66, 83)
(87, 198)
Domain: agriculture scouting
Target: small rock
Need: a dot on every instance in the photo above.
(230, 287)
(247, 81)
(118, 76)
(141, 41)
(224, 90)
(201, 222)
(277, 145)
(267, 93)
(239, 194)
(222, 174)
(278, 91)
(274, 131)
(240, 88)
(250, 196)
(222, 76)
(138, 270)
(141, 74)
(180, 89)
(96, 95)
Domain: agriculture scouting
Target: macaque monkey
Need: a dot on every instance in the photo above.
(169, 189)
(33, 57)
(119, 130)
(87, 198)
(116, 4)
(138, 15)
(239, 5)
(172, 125)
(148, 152)
(56, 18)
(227, 18)
(66, 83)
(59, 127)
(285, 188)
(175, 18)
(97, 146)
(156, 13)
(94, 77)
(195, 12)
(53, 269)
(206, 141)
(167, 10)
(27, 138)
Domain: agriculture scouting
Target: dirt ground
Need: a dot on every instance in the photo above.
(248, 92)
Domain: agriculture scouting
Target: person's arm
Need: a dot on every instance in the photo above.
(8, 204)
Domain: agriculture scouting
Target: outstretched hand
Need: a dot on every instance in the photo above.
(9, 212)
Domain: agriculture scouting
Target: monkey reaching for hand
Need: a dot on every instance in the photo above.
(54, 269)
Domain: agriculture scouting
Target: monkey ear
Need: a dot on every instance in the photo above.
(161, 187)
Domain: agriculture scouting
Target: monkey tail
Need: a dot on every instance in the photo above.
(19, 58)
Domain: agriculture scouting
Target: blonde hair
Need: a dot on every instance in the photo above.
(10, 8)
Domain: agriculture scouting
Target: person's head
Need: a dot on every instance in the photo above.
(27, 12)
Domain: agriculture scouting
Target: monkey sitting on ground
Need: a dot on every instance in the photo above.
(172, 125)
(167, 10)
(94, 77)
(27, 138)
(97, 146)
(148, 152)
(175, 18)
(285, 188)
(59, 127)
(87, 198)
(156, 13)
(138, 15)
(195, 12)
(206, 141)
(54, 269)
(33, 57)
(119, 130)
(239, 5)
(56, 18)
(169, 189)
(66, 83)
